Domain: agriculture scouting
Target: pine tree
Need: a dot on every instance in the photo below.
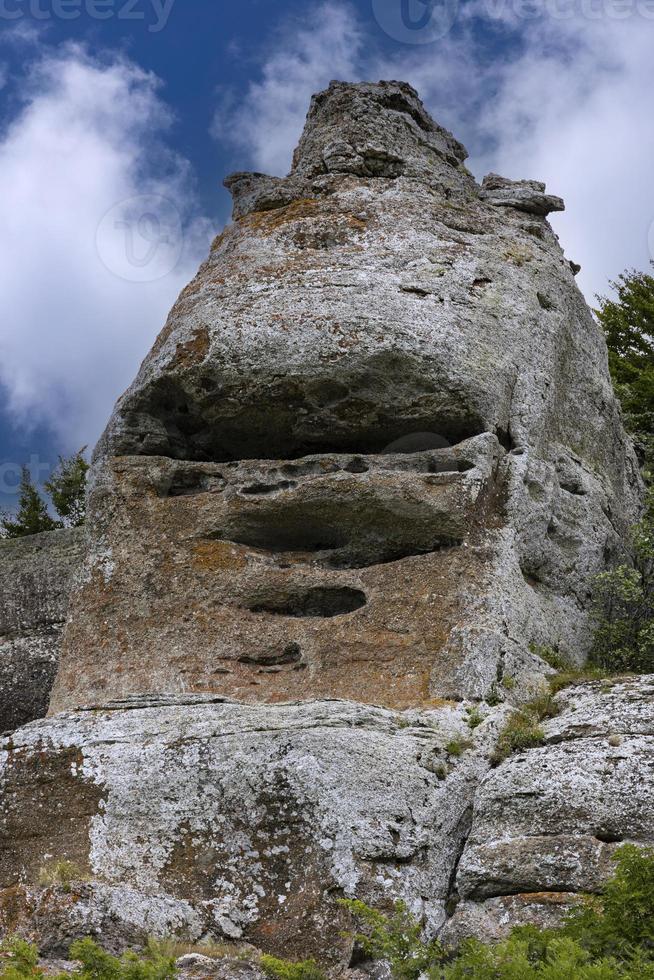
(628, 323)
(32, 516)
(67, 489)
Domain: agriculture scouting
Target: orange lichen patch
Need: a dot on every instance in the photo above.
(268, 221)
(213, 555)
(193, 351)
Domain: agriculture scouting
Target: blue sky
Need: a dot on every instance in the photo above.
(119, 119)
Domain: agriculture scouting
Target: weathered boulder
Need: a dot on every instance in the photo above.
(372, 464)
(36, 578)
(251, 535)
(548, 821)
(204, 819)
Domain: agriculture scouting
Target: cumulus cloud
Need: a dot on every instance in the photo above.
(98, 239)
(564, 99)
(302, 58)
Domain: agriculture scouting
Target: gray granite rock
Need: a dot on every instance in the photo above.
(36, 578)
(375, 295)
(371, 464)
(548, 821)
(220, 821)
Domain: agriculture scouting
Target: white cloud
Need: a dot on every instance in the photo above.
(302, 59)
(579, 116)
(75, 324)
(568, 101)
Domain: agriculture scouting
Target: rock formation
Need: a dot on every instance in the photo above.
(370, 467)
(36, 578)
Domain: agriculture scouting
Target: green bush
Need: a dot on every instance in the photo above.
(624, 607)
(395, 938)
(289, 970)
(21, 962)
(521, 732)
(606, 938)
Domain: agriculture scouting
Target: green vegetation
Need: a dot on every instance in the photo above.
(457, 746)
(67, 490)
(394, 938)
(288, 970)
(605, 938)
(32, 516)
(474, 719)
(521, 731)
(624, 606)
(60, 874)
(628, 323)
(20, 961)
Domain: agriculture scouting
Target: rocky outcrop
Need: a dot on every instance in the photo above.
(548, 821)
(209, 819)
(36, 578)
(255, 531)
(370, 467)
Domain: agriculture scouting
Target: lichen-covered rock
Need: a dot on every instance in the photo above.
(371, 464)
(219, 820)
(36, 578)
(255, 530)
(547, 822)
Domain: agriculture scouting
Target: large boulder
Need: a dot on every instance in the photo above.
(370, 467)
(548, 821)
(374, 453)
(205, 819)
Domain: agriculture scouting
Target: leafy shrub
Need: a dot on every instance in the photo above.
(607, 938)
(97, 964)
(521, 731)
(20, 960)
(624, 606)
(474, 719)
(457, 746)
(289, 970)
(395, 938)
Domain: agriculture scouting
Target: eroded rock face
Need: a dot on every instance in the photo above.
(371, 464)
(36, 578)
(256, 531)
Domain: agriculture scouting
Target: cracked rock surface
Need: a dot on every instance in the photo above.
(198, 818)
(255, 530)
(36, 578)
(548, 820)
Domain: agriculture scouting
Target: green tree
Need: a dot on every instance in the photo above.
(623, 605)
(628, 323)
(67, 489)
(32, 516)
